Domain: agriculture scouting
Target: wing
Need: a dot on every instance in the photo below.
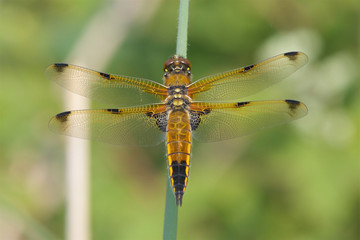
(220, 121)
(107, 88)
(143, 125)
(242, 82)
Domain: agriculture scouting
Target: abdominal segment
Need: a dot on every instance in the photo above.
(178, 143)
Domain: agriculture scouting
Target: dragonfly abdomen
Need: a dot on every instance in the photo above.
(178, 146)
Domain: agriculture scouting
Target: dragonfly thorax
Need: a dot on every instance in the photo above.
(177, 90)
(177, 97)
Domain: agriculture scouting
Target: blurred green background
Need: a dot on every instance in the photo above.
(296, 181)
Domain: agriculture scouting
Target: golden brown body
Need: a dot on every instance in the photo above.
(178, 144)
(178, 131)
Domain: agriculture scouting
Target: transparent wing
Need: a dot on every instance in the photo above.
(107, 88)
(242, 82)
(221, 121)
(141, 125)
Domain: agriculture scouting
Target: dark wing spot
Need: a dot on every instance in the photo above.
(114, 110)
(59, 67)
(149, 114)
(291, 55)
(195, 118)
(161, 119)
(241, 104)
(62, 117)
(248, 68)
(105, 75)
(207, 111)
(293, 104)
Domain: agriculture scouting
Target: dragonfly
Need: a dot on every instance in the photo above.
(177, 111)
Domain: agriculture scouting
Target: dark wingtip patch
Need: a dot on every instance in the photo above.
(114, 110)
(59, 67)
(62, 117)
(291, 55)
(248, 68)
(105, 75)
(241, 104)
(293, 104)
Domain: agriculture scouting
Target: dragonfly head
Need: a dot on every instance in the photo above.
(176, 66)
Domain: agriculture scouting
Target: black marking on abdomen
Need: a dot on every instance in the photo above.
(179, 175)
(62, 117)
(59, 67)
(291, 55)
(179, 168)
(105, 75)
(248, 68)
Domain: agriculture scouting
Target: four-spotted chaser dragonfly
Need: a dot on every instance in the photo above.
(177, 110)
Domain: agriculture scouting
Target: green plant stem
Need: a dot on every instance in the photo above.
(171, 210)
(171, 214)
(181, 43)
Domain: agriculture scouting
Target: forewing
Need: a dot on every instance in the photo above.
(107, 88)
(242, 82)
(221, 121)
(143, 125)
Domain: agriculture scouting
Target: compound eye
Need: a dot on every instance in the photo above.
(187, 63)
